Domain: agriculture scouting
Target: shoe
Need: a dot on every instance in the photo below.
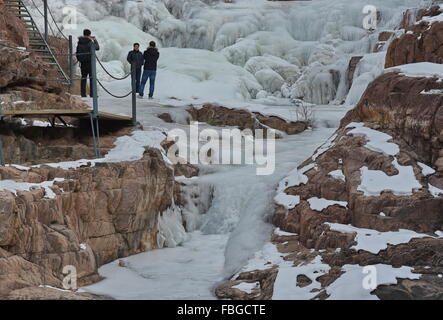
(151, 98)
(140, 97)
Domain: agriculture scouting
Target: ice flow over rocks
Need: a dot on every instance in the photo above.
(297, 49)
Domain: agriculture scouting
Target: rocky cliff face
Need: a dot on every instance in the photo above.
(372, 195)
(422, 42)
(52, 217)
(23, 74)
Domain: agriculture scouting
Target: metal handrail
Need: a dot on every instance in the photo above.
(66, 78)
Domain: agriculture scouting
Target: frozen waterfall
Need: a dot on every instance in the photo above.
(297, 50)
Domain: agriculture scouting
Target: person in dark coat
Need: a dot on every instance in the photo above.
(84, 58)
(135, 57)
(151, 56)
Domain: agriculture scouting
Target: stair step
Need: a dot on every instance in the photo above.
(40, 50)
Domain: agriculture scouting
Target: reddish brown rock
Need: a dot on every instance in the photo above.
(395, 103)
(351, 69)
(392, 104)
(27, 74)
(243, 119)
(11, 28)
(98, 214)
(422, 42)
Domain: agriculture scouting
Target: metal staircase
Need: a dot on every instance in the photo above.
(37, 42)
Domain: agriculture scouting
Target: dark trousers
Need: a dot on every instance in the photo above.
(138, 76)
(86, 70)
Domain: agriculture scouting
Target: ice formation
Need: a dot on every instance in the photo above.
(291, 49)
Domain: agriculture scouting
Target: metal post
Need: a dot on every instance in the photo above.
(97, 134)
(2, 157)
(134, 94)
(71, 65)
(45, 10)
(94, 138)
(94, 80)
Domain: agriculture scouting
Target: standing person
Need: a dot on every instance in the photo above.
(136, 57)
(151, 56)
(83, 56)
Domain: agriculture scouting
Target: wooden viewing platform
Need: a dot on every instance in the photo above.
(67, 113)
(18, 8)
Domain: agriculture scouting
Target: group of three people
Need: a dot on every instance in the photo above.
(147, 60)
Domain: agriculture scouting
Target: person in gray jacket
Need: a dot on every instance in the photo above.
(136, 57)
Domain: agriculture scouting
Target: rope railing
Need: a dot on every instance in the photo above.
(58, 28)
(113, 95)
(109, 74)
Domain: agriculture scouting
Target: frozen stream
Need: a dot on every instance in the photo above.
(231, 230)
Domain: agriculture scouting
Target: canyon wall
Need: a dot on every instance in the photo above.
(91, 214)
(380, 175)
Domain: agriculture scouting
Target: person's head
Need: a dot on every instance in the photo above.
(136, 46)
(87, 33)
(152, 44)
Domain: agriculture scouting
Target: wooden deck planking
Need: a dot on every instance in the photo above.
(62, 112)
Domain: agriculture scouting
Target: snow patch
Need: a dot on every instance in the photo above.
(247, 287)
(375, 241)
(287, 201)
(349, 286)
(426, 170)
(325, 147)
(285, 286)
(419, 70)
(14, 186)
(127, 148)
(436, 192)
(318, 204)
(279, 232)
(374, 182)
(337, 174)
(376, 140)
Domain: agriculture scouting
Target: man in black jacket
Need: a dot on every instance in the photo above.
(135, 58)
(151, 56)
(83, 56)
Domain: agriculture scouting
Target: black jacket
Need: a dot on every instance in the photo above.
(136, 57)
(84, 47)
(151, 56)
